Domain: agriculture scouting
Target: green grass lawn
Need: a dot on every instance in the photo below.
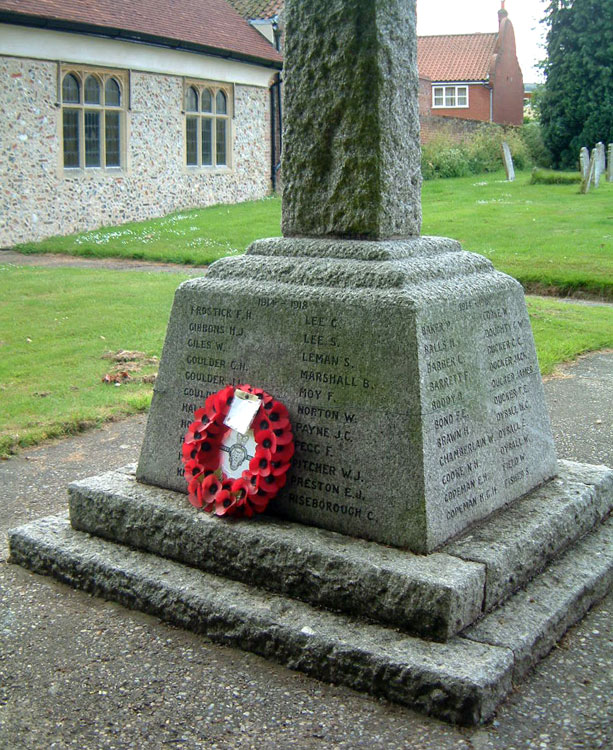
(57, 325)
(550, 237)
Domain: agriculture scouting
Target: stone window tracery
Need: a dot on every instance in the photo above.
(93, 118)
(207, 125)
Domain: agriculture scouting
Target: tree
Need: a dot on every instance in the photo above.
(576, 107)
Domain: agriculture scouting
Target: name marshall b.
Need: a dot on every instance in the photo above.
(332, 378)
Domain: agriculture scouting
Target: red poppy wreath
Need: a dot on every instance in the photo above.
(216, 456)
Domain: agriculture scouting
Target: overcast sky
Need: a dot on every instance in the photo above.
(466, 16)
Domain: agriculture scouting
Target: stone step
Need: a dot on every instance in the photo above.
(461, 681)
(434, 596)
(518, 541)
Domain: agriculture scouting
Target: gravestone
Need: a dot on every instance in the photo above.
(508, 161)
(407, 364)
(601, 164)
(610, 163)
(584, 161)
(587, 181)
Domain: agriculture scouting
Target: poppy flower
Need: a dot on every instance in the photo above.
(270, 483)
(257, 502)
(278, 467)
(195, 432)
(261, 462)
(223, 399)
(189, 451)
(192, 493)
(225, 503)
(266, 439)
(209, 488)
(283, 435)
(192, 470)
(208, 454)
(278, 416)
(251, 478)
(284, 452)
(241, 489)
(211, 423)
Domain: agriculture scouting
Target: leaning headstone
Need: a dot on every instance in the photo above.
(610, 163)
(591, 172)
(407, 364)
(584, 161)
(600, 165)
(508, 161)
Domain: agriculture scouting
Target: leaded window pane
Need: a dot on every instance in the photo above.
(191, 137)
(92, 139)
(191, 100)
(221, 105)
(92, 90)
(220, 142)
(112, 93)
(112, 136)
(70, 89)
(207, 141)
(207, 101)
(71, 137)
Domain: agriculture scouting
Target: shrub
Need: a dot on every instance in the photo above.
(532, 136)
(444, 158)
(549, 177)
(449, 154)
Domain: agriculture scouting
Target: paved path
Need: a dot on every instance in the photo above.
(77, 672)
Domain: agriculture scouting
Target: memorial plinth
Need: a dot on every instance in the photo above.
(408, 368)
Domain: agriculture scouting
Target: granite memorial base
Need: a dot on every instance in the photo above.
(408, 368)
(447, 633)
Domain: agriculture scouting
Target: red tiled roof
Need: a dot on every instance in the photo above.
(456, 57)
(209, 24)
(257, 9)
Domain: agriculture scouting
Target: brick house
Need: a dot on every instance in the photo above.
(473, 76)
(467, 76)
(119, 110)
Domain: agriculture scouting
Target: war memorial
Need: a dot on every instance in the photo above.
(427, 546)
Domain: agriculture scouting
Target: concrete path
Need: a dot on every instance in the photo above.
(77, 672)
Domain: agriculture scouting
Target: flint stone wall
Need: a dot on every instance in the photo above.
(38, 200)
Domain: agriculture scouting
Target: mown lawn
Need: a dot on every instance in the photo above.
(549, 237)
(55, 327)
(61, 330)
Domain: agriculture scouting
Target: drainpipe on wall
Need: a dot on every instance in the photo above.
(491, 103)
(276, 115)
(276, 122)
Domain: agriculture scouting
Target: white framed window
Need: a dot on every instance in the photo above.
(208, 124)
(93, 106)
(449, 97)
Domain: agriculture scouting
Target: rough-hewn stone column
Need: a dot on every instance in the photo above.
(351, 155)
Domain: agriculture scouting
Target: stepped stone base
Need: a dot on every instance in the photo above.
(548, 558)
